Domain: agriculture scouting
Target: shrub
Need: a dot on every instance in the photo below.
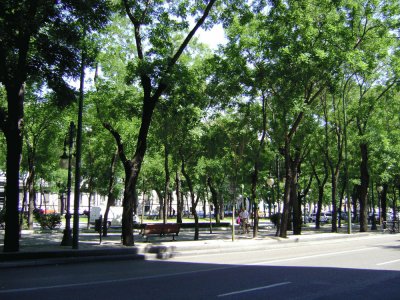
(47, 221)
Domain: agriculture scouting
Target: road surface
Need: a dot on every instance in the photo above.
(351, 268)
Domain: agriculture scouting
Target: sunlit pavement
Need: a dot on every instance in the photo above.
(39, 244)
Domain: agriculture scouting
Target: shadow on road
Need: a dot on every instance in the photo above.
(177, 280)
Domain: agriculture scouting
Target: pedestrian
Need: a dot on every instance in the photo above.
(244, 220)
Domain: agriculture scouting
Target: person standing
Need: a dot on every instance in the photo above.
(244, 220)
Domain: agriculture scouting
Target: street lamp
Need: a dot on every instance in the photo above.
(380, 189)
(373, 221)
(305, 204)
(65, 162)
(270, 183)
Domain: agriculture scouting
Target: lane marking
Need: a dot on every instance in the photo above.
(311, 256)
(388, 262)
(101, 282)
(255, 289)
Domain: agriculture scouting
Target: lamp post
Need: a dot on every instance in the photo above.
(305, 204)
(65, 161)
(233, 212)
(379, 189)
(346, 170)
(242, 187)
(373, 221)
(270, 183)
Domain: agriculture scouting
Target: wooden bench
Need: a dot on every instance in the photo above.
(161, 230)
(391, 226)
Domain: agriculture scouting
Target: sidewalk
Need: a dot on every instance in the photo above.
(39, 247)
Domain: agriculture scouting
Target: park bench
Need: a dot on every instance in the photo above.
(391, 226)
(161, 230)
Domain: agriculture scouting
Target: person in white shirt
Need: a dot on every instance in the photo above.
(244, 220)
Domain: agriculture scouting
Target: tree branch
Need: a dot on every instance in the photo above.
(120, 145)
(145, 79)
(182, 47)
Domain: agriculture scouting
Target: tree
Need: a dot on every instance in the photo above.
(40, 41)
(153, 69)
(40, 123)
(292, 48)
(369, 70)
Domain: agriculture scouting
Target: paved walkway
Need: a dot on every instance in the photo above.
(39, 247)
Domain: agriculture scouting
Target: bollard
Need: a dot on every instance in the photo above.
(98, 226)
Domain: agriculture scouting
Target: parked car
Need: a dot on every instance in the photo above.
(322, 218)
(228, 213)
(114, 215)
(343, 216)
(328, 216)
(312, 217)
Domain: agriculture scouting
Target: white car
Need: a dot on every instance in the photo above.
(114, 215)
(328, 216)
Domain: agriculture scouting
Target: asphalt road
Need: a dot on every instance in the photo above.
(352, 268)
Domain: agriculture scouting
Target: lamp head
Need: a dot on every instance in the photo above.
(270, 182)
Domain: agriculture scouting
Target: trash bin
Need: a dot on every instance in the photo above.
(97, 224)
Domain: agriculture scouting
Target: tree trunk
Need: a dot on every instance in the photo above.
(179, 204)
(161, 203)
(256, 166)
(167, 182)
(254, 179)
(286, 197)
(341, 204)
(221, 205)
(383, 202)
(296, 201)
(214, 199)
(335, 176)
(364, 178)
(194, 201)
(13, 133)
(321, 188)
(30, 182)
(31, 204)
(297, 222)
(319, 207)
(128, 207)
(196, 226)
(111, 186)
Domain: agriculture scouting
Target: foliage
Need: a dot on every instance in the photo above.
(47, 220)
(310, 60)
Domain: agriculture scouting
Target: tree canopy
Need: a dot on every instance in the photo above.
(306, 91)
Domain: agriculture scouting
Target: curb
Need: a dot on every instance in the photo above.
(40, 258)
(204, 247)
(165, 250)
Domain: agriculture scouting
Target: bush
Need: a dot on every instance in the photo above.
(47, 221)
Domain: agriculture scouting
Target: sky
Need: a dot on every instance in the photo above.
(212, 37)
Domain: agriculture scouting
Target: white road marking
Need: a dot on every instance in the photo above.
(255, 289)
(388, 262)
(311, 256)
